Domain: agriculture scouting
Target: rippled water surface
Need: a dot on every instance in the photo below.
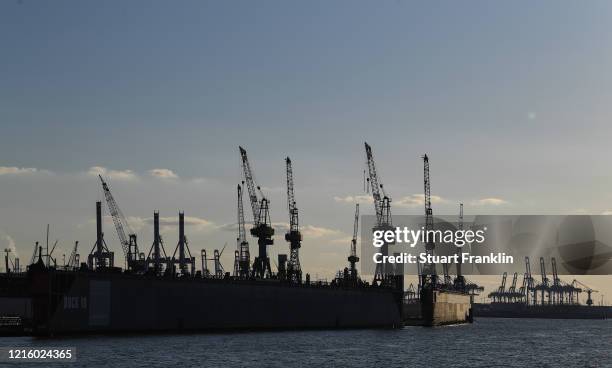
(486, 343)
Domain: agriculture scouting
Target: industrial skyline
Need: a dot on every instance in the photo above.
(509, 100)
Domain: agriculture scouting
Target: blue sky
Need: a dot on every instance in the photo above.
(510, 100)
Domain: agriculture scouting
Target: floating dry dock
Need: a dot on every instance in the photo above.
(114, 302)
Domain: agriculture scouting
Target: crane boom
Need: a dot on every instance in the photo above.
(128, 243)
(513, 285)
(543, 271)
(556, 279)
(73, 260)
(251, 186)
(382, 203)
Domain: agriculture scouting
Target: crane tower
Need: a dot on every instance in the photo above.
(293, 236)
(262, 228)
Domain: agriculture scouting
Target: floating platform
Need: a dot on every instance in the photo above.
(67, 302)
(438, 308)
(521, 310)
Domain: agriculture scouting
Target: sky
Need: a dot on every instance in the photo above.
(509, 100)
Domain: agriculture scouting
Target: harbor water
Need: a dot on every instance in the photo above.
(507, 342)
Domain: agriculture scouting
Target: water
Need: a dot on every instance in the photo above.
(486, 343)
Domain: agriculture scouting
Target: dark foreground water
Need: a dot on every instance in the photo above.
(486, 343)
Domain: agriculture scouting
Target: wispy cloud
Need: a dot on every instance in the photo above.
(172, 221)
(112, 174)
(7, 242)
(416, 200)
(490, 201)
(163, 173)
(353, 199)
(316, 232)
(13, 170)
(137, 223)
(308, 231)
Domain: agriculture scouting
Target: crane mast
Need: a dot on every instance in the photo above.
(129, 243)
(293, 236)
(460, 279)
(262, 228)
(353, 259)
(513, 284)
(544, 286)
(529, 283)
(244, 258)
(382, 206)
(429, 269)
(74, 259)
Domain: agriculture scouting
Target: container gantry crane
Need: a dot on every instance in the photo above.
(530, 284)
(157, 257)
(244, 257)
(545, 284)
(382, 206)
(185, 260)
(353, 259)
(262, 227)
(100, 256)
(498, 295)
(293, 236)
(129, 242)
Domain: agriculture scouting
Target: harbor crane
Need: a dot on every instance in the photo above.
(588, 290)
(293, 236)
(11, 264)
(244, 257)
(236, 263)
(498, 295)
(544, 286)
(530, 284)
(512, 288)
(558, 290)
(185, 260)
(100, 257)
(262, 227)
(128, 242)
(219, 271)
(523, 289)
(448, 282)
(157, 256)
(382, 206)
(353, 259)
(205, 271)
(430, 278)
(460, 279)
(74, 259)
